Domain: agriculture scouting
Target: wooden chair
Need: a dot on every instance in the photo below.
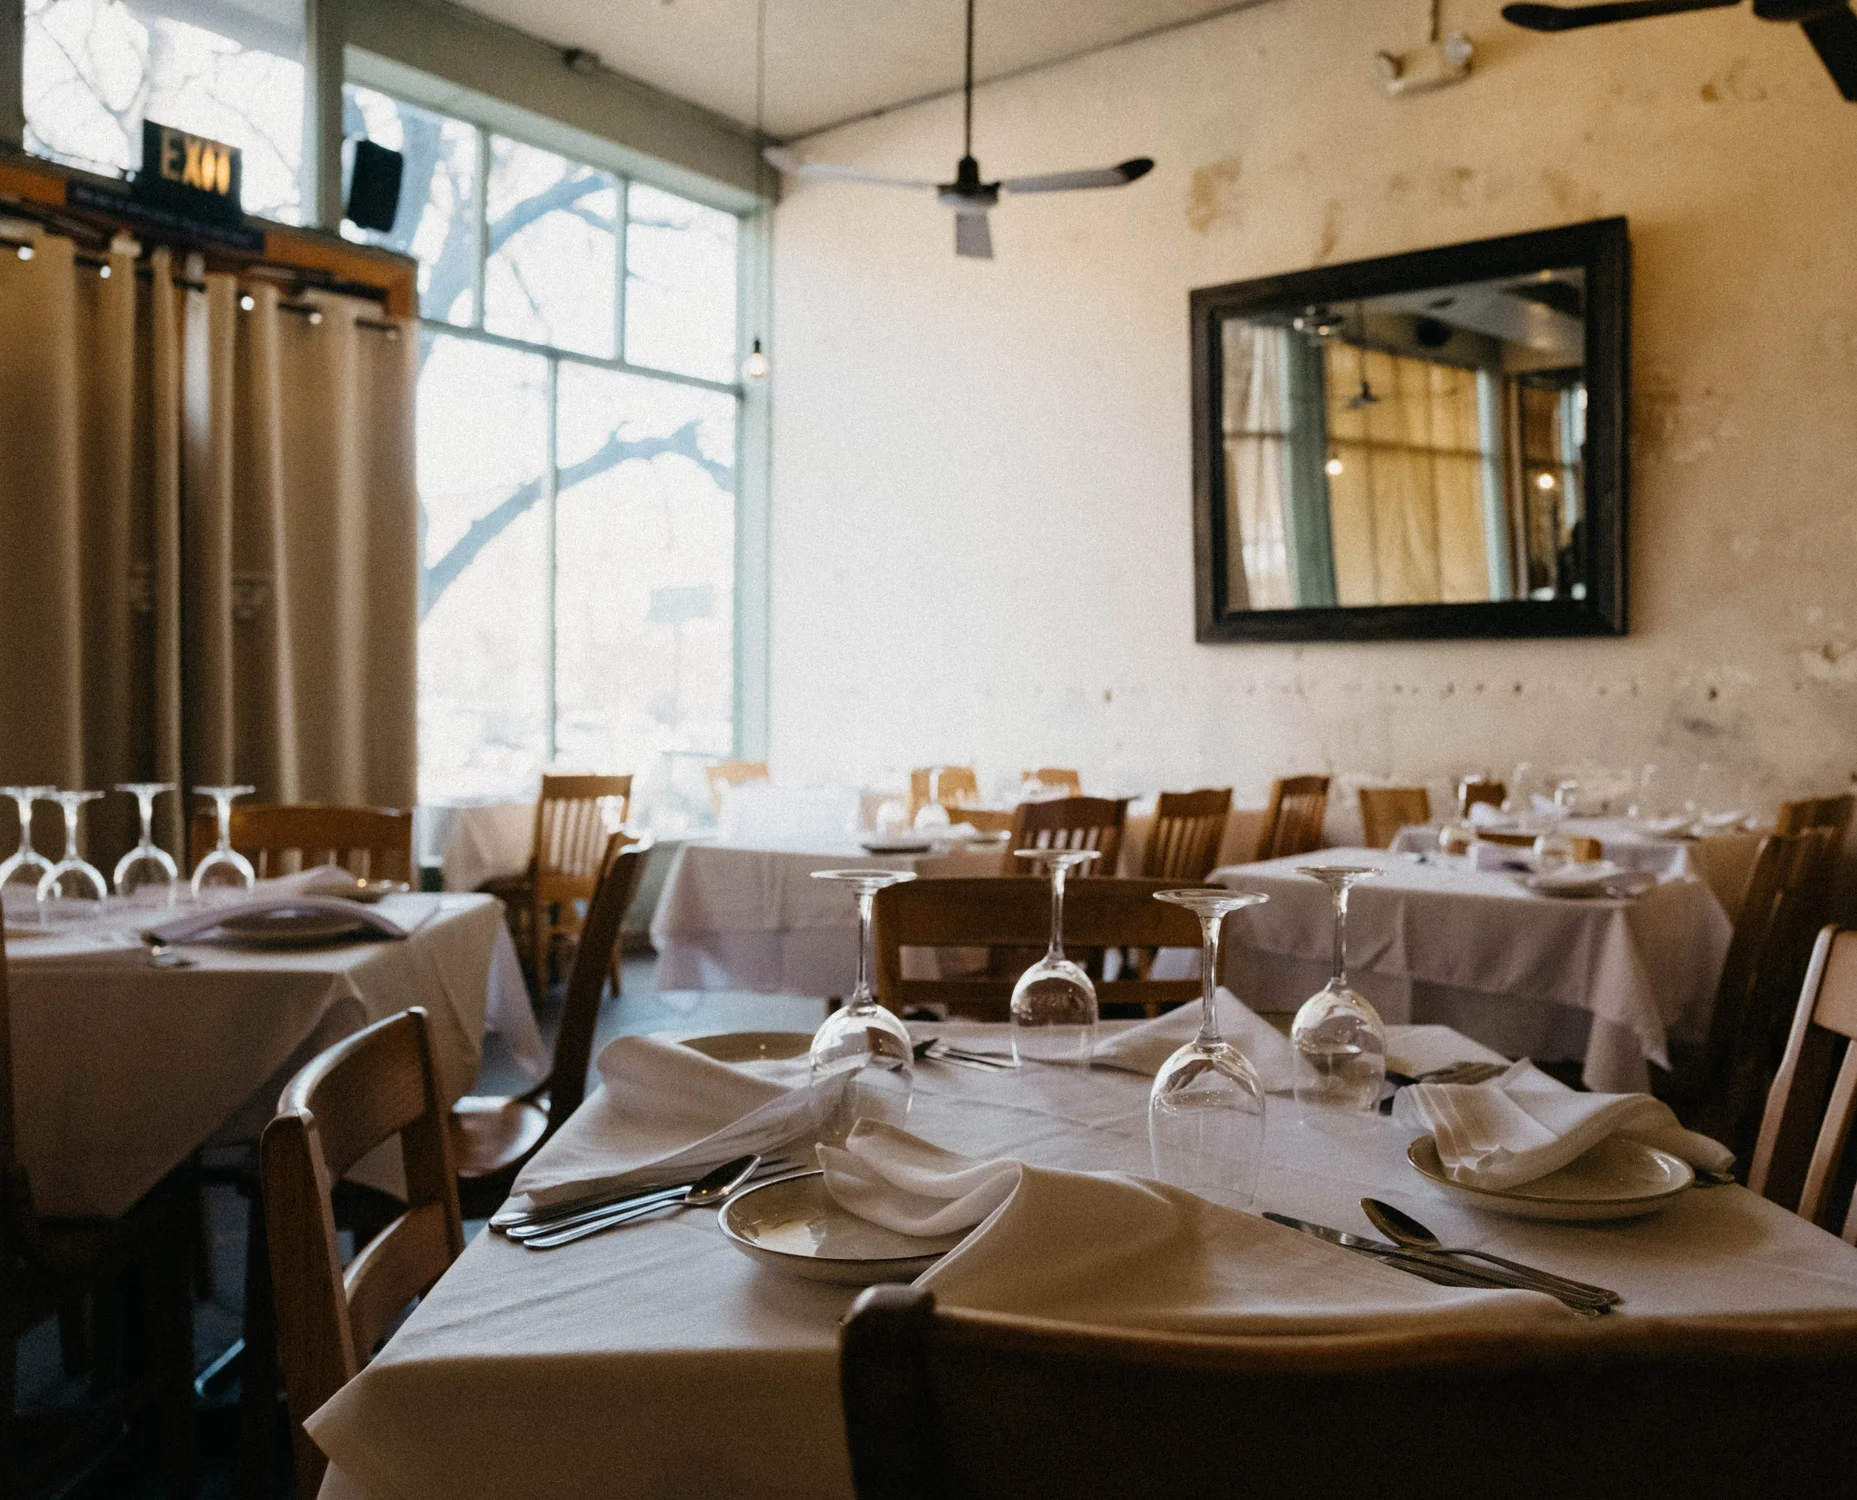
(1474, 789)
(1721, 1089)
(1067, 823)
(1802, 1159)
(985, 819)
(727, 773)
(1818, 812)
(1387, 809)
(1055, 776)
(1188, 832)
(1585, 849)
(958, 787)
(947, 1405)
(373, 843)
(491, 1137)
(62, 1268)
(572, 822)
(364, 1091)
(1294, 817)
(988, 912)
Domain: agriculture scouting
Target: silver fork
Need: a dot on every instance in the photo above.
(936, 1050)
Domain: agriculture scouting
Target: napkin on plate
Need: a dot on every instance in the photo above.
(662, 1110)
(1600, 876)
(1144, 1048)
(319, 880)
(1524, 1125)
(1114, 1251)
(200, 923)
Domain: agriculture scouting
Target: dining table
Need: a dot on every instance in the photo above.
(125, 1065)
(658, 1360)
(1609, 981)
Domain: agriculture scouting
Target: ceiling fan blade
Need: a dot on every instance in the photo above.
(794, 165)
(972, 237)
(1572, 17)
(1835, 39)
(1097, 177)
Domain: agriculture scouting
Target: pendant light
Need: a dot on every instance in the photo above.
(755, 366)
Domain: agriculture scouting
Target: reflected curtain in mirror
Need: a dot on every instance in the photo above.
(208, 539)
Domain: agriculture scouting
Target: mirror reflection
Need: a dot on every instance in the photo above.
(1420, 447)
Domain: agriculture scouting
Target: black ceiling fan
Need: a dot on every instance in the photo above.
(1829, 25)
(967, 195)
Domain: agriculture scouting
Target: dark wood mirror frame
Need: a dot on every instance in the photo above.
(1601, 248)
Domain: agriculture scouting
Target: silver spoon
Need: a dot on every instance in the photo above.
(713, 1188)
(1402, 1229)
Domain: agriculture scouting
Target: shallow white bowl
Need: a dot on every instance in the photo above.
(1617, 1179)
(793, 1225)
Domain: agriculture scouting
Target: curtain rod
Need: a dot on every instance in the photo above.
(307, 310)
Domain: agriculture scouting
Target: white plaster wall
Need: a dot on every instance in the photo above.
(982, 494)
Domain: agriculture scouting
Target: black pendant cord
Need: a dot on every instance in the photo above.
(968, 124)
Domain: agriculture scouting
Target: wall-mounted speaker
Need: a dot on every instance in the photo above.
(374, 186)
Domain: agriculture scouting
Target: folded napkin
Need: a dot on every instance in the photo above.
(1525, 1125)
(200, 923)
(1487, 815)
(1501, 857)
(1113, 1251)
(1144, 1048)
(319, 880)
(1603, 874)
(663, 1110)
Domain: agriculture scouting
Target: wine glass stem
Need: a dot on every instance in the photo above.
(70, 830)
(25, 829)
(224, 805)
(1056, 951)
(147, 803)
(1341, 937)
(861, 996)
(1209, 925)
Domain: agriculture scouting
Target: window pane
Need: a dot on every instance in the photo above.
(228, 69)
(552, 270)
(437, 222)
(680, 285)
(644, 573)
(483, 451)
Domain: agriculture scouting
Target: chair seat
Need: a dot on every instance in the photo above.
(491, 1135)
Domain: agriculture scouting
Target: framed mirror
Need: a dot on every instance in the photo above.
(1421, 446)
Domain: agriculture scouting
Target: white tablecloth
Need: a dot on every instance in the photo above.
(657, 1361)
(485, 839)
(123, 1069)
(1721, 861)
(1605, 981)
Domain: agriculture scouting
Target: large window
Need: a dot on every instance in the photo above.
(577, 433)
(228, 69)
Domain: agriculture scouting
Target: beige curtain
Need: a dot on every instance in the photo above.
(208, 533)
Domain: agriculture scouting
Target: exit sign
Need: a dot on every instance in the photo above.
(189, 175)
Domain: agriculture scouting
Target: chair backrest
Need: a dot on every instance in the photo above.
(623, 867)
(966, 1406)
(363, 1091)
(1387, 809)
(1188, 832)
(1051, 777)
(8, 1142)
(1067, 823)
(985, 819)
(1818, 812)
(727, 773)
(1802, 1159)
(1786, 902)
(1474, 789)
(1294, 817)
(573, 818)
(986, 911)
(1585, 848)
(958, 787)
(374, 843)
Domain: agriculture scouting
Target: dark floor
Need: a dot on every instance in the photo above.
(131, 1470)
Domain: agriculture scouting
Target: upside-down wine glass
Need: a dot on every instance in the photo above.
(225, 869)
(1206, 1109)
(861, 1037)
(21, 872)
(72, 889)
(1054, 1003)
(147, 872)
(931, 815)
(1339, 1041)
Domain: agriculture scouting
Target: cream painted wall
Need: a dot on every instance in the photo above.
(982, 493)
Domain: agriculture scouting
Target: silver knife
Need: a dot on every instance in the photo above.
(505, 1219)
(620, 1213)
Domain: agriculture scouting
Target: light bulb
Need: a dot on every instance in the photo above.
(1546, 481)
(248, 302)
(1334, 467)
(754, 367)
(103, 272)
(26, 252)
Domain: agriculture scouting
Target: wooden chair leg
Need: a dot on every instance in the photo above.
(258, 1373)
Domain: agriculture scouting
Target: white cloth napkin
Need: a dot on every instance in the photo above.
(663, 1110)
(1144, 1048)
(1501, 857)
(318, 880)
(1111, 1250)
(1525, 1125)
(198, 924)
(1486, 815)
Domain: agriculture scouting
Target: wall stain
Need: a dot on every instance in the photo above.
(1331, 231)
(1213, 193)
(1569, 197)
(1733, 83)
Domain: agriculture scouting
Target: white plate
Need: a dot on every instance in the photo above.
(1617, 1179)
(896, 846)
(793, 1225)
(751, 1046)
(289, 929)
